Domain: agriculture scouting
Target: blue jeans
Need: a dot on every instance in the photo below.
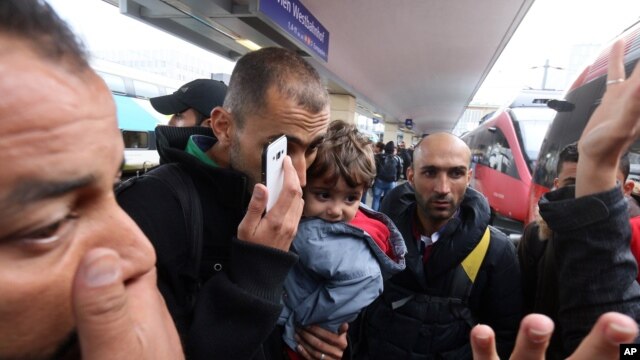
(380, 188)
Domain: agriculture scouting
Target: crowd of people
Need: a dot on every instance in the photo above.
(184, 262)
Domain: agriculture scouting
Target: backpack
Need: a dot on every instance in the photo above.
(184, 190)
(387, 168)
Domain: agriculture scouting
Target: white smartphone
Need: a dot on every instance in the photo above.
(272, 168)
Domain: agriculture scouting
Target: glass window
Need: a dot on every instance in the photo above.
(500, 154)
(533, 123)
(135, 139)
(114, 82)
(145, 89)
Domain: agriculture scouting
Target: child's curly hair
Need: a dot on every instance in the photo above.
(347, 153)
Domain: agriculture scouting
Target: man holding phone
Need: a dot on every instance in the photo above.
(222, 276)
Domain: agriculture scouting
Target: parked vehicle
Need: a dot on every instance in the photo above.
(504, 150)
(582, 98)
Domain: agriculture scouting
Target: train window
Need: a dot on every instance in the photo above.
(479, 147)
(500, 156)
(114, 82)
(533, 123)
(146, 90)
(135, 139)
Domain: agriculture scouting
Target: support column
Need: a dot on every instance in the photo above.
(390, 133)
(343, 107)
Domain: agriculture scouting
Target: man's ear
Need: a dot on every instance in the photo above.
(410, 175)
(556, 183)
(627, 187)
(221, 123)
(206, 123)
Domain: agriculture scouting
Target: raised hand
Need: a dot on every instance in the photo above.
(611, 129)
(611, 330)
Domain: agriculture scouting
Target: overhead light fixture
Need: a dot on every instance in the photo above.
(249, 44)
(377, 114)
(206, 21)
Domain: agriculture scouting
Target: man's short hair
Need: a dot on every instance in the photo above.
(568, 153)
(35, 22)
(278, 68)
(345, 152)
(389, 147)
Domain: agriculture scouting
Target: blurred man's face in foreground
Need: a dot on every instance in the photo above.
(60, 153)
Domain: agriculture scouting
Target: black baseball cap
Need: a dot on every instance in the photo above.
(200, 94)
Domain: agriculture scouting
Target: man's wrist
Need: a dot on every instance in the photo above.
(594, 176)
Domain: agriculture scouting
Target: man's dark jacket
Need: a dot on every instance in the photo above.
(540, 281)
(238, 302)
(496, 296)
(596, 270)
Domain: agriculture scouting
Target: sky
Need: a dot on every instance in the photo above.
(549, 31)
(101, 26)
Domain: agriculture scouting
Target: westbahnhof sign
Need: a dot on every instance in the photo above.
(294, 18)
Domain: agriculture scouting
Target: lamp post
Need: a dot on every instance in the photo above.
(546, 68)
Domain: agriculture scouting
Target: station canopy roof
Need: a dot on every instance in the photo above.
(400, 59)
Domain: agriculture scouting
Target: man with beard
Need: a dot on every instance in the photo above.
(460, 271)
(221, 263)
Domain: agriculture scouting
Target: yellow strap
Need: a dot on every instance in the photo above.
(471, 264)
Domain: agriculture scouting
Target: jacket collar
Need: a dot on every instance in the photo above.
(229, 187)
(457, 238)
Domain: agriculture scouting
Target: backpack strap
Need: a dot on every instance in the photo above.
(464, 277)
(471, 264)
(182, 187)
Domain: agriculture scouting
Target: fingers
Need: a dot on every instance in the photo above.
(483, 343)
(603, 342)
(615, 72)
(636, 72)
(314, 342)
(279, 225)
(252, 218)
(343, 328)
(100, 306)
(531, 343)
(616, 62)
(533, 337)
(115, 321)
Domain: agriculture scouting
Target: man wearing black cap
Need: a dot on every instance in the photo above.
(191, 105)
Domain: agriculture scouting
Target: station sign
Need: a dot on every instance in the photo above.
(294, 18)
(408, 123)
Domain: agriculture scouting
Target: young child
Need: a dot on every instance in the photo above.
(345, 249)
